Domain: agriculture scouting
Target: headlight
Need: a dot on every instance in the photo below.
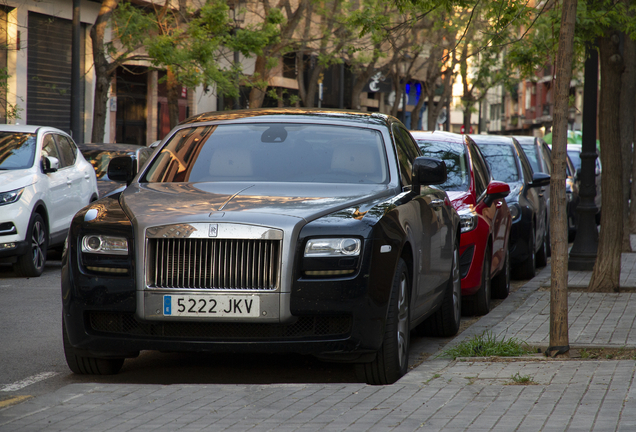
(515, 211)
(333, 247)
(568, 185)
(100, 244)
(10, 197)
(468, 220)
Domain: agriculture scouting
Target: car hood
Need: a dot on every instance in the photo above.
(16, 179)
(164, 203)
(515, 191)
(460, 199)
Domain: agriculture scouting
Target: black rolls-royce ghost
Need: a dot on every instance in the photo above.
(275, 230)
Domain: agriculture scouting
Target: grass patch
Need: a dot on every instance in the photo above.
(487, 345)
(519, 379)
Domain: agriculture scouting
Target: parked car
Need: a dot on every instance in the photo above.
(273, 230)
(508, 163)
(485, 219)
(574, 152)
(99, 155)
(44, 181)
(538, 154)
(571, 193)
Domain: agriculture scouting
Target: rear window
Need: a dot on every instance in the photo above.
(502, 161)
(272, 152)
(455, 158)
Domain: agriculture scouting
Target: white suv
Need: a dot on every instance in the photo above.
(44, 181)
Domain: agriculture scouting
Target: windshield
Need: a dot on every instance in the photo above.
(502, 161)
(455, 158)
(531, 154)
(17, 150)
(271, 152)
(575, 156)
(100, 159)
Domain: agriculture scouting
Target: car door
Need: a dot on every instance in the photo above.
(74, 178)
(424, 216)
(495, 213)
(57, 188)
(535, 197)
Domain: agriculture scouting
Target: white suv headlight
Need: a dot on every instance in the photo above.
(99, 244)
(333, 247)
(10, 197)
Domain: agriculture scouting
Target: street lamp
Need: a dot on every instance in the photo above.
(238, 16)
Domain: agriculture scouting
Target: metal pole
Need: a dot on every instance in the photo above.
(75, 74)
(237, 100)
(583, 252)
(342, 75)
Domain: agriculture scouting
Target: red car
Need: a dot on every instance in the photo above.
(485, 218)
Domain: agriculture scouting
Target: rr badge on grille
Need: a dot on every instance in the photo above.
(213, 230)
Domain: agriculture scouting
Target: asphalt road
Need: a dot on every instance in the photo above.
(33, 361)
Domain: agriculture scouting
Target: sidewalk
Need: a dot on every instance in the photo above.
(439, 394)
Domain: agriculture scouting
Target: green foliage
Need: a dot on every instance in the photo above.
(487, 345)
(522, 379)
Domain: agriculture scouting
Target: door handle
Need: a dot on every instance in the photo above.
(437, 203)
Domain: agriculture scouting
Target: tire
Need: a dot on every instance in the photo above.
(548, 244)
(392, 360)
(32, 263)
(445, 321)
(527, 269)
(542, 255)
(81, 364)
(479, 303)
(501, 282)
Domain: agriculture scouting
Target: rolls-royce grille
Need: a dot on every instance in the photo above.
(303, 327)
(213, 263)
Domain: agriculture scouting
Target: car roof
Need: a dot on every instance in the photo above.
(109, 146)
(492, 139)
(438, 136)
(28, 128)
(287, 114)
(526, 139)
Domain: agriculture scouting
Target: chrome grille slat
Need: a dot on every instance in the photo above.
(236, 264)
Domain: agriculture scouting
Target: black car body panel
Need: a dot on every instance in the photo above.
(334, 308)
(528, 200)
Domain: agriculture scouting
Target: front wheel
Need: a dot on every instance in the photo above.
(542, 255)
(479, 303)
(501, 282)
(79, 363)
(527, 269)
(32, 263)
(392, 360)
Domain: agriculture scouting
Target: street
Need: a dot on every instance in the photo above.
(33, 358)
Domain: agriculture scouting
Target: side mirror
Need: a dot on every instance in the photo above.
(496, 190)
(428, 171)
(50, 164)
(540, 179)
(122, 169)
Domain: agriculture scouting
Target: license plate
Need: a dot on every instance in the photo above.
(212, 305)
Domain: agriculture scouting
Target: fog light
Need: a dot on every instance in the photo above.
(7, 246)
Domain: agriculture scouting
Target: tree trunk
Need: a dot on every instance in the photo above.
(261, 74)
(626, 121)
(172, 88)
(606, 274)
(559, 338)
(103, 70)
(415, 114)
